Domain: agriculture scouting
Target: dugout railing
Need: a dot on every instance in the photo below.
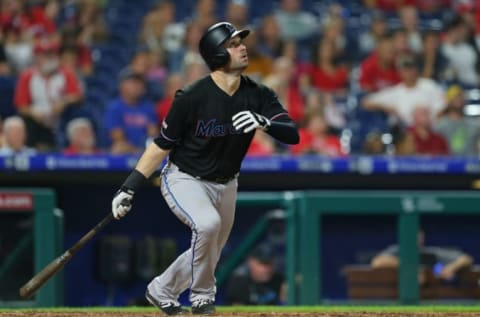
(304, 254)
(45, 239)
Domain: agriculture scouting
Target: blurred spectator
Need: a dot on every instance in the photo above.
(400, 42)
(155, 25)
(174, 83)
(445, 262)
(289, 50)
(259, 65)
(4, 66)
(195, 70)
(74, 53)
(294, 23)
(316, 139)
(326, 72)
(333, 31)
(461, 133)
(187, 53)
(14, 137)
(373, 144)
(403, 143)
(427, 6)
(157, 68)
(270, 42)
(434, 64)
(43, 94)
(237, 13)
(400, 100)
(141, 64)
(257, 282)
(316, 101)
(81, 137)
(468, 10)
(378, 70)
(90, 21)
(28, 17)
(262, 145)
(129, 120)
(409, 21)
(204, 15)
(426, 140)
(367, 40)
(282, 82)
(462, 57)
(18, 47)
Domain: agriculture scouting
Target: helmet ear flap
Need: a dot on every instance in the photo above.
(221, 58)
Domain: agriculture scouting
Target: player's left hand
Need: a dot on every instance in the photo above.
(248, 121)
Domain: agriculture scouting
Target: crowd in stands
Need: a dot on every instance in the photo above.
(380, 77)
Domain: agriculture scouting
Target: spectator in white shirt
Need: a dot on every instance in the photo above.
(401, 99)
(461, 55)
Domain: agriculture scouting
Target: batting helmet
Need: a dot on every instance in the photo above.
(211, 44)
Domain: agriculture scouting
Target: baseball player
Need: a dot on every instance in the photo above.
(205, 136)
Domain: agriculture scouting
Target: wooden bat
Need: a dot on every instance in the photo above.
(53, 267)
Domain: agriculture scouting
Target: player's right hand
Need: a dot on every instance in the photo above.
(122, 202)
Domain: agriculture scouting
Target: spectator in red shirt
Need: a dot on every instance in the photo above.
(80, 137)
(426, 140)
(282, 81)
(315, 138)
(31, 19)
(43, 93)
(174, 83)
(378, 70)
(262, 145)
(326, 73)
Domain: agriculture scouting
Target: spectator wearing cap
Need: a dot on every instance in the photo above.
(81, 138)
(256, 282)
(129, 119)
(462, 133)
(14, 137)
(44, 93)
(400, 100)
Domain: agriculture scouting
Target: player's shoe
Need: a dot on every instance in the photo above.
(203, 307)
(168, 308)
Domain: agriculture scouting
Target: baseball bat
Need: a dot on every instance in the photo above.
(57, 264)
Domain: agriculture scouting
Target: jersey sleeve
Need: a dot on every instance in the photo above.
(272, 108)
(174, 125)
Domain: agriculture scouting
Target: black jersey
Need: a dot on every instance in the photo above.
(199, 131)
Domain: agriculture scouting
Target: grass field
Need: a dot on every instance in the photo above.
(263, 311)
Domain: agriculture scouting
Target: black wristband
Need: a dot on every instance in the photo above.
(134, 181)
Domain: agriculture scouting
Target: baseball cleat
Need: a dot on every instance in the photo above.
(203, 307)
(168, 308)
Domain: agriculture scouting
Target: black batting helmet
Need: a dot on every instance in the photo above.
(211, 44)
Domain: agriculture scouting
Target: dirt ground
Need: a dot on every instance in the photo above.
(275, 314)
